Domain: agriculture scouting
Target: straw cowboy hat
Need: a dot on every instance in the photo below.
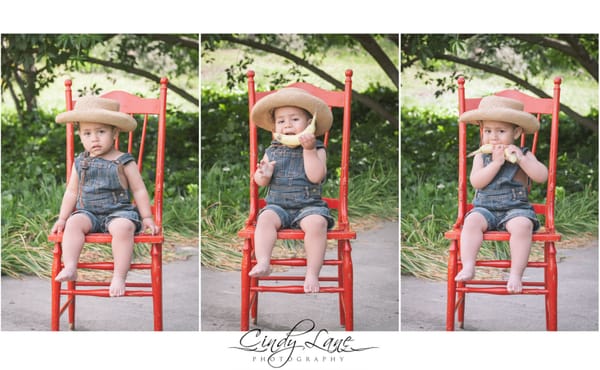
(498, 108)
(98, 110)
(262, 112)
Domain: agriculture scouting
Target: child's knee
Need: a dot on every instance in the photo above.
(268, 218)
(121, 226)
(314, 222)
(475, 221)
(78, 222)
(520, 225)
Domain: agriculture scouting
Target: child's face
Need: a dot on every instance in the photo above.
(97, 138)
(497, 132)
(290, 120)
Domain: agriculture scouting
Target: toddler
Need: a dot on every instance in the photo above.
(501, 198)
(294, 176)
(97, 196)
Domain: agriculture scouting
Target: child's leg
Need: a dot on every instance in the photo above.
(264, 240)
(122, 231)
(470, 242)
(315, 244)
(520, 229)
(73, 238)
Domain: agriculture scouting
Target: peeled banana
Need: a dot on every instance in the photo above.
(293, 141)
(489, 148)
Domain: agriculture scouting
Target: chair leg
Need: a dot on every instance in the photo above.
(71, 285)
(462, 298)
(551, 277)
(55, 298)
(254, 301)
(55, 314)
(342, 311)
(156, 275)
(348, 287)
(245, 304)
(451, 285)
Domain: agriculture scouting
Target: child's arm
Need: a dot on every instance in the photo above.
(264, 171)
(315, 160)
(68, 203)
(140, 194)
(482, 175)
(533, 168)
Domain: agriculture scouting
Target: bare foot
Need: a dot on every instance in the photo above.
(311, 284)
(117, 287)
(467, 273)
(67, 274)
(514, 285)
(260, 270)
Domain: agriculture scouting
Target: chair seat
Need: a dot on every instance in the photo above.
(107, 238)
(295, 234)
(542, 235)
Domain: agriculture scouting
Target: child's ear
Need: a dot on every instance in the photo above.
(116, 131)
(518, 132)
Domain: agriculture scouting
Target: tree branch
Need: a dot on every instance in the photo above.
(373, 48)
(139, 72)
(584, 121)
(176, 40)
(568, 45)
(367, 101)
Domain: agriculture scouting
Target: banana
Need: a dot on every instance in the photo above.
(293, 141)
(489, 148)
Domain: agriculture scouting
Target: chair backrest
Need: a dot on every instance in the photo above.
(144, 110)
(334, 99)
(539, 107)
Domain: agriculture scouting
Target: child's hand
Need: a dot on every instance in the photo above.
(308, 141)
(265, 168)
(513, 149)
(498, 153)
(149, 226)
(59, 227)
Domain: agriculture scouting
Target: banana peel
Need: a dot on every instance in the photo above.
(489, 148)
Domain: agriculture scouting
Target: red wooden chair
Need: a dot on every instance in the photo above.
(145, 109)
(547, 234)
(342, 232)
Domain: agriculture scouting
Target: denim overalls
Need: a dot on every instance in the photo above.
(504, 198)
(291, 195)
(101, 195)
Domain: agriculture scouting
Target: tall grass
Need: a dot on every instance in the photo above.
(372, 194)
(429, 210)
(28, 213)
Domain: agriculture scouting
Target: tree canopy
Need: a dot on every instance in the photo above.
(307, 52)
(518, 58)
(30, 61)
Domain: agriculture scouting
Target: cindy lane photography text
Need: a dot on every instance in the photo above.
(302, 343)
